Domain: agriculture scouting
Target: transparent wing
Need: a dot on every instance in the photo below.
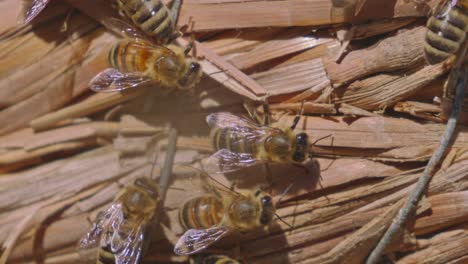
(30, 9)
(227, 161)
(111, 230)
(101, 232)
(194, 240)
(127, 244)
(224, 119)
(112, 80)
(123, 28)
(241, 130)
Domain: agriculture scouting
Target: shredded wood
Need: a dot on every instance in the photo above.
(354, 71)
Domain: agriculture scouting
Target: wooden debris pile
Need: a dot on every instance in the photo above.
(66, 151)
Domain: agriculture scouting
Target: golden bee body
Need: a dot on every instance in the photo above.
(446, 30)
(277, 146)
(122, 230)
(209, 217)
(135, 62)
(150, 16)
(247, 211)
(213, 259)
(240, 143)
(167, 65)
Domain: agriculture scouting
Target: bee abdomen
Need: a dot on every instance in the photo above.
(218, 259)
(151, 16)
(233, 140)
(105, 256)
(201, 213)
(445, 34)
(126, 57)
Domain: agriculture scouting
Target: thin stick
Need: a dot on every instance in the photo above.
(166, 169)
(408, 209)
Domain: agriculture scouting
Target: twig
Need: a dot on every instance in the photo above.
(421, 186)
(166, 169)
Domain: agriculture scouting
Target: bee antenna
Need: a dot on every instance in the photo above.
(205, 174)
(298, 116)
(284, 222)
(284, 192)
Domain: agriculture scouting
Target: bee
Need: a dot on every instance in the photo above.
(211, 216)
(122, 230)
(241, 143)
(446, 30)
(213, 259)
(152, 17)
(135, 62)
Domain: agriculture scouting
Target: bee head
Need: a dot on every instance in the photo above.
(191, 76)
(302, 147)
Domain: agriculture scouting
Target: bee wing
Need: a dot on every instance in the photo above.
(224, 119)
(123, 28)
(227, 161)
(30, 9)
(194, 240)
(101, 231)
(127, 244)
(112, 80)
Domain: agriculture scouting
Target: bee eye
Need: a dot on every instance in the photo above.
(266, 200)
(194, 67)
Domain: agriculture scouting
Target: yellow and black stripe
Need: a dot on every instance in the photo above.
(127, 56)
(446, 32)
(214, 259)
(151, 16)
(201, 213)
(105, 256)
(234, 140)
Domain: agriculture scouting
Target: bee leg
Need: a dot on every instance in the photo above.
(252, 113)
(266, 112)
(268, 176)
(298, 116)
(175, 9)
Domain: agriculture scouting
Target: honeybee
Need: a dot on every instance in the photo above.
(152, 17)
(213, 259)
(241, 143)
(211, 216)
(122, 230)
(447, 29)
(136, 62)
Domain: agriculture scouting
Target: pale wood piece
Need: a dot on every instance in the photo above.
(402, 51)
(375, 137)
(94, 103)
(380, 91)
(292, 78)
(285, 43)
(211, 15)
(421, 110)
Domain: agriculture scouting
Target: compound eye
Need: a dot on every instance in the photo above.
(266, 200)
(194, 67)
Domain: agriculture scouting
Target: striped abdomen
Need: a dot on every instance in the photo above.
(105, 256)
(127, 56)
(233, 140)
(446, 31)
(216, 259)
(151, 16)
(201, 213)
